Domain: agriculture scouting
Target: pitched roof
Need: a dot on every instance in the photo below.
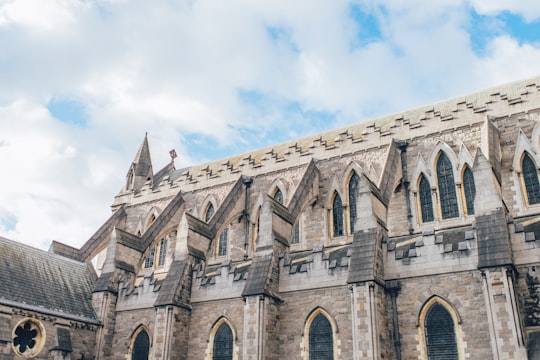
(39, 281)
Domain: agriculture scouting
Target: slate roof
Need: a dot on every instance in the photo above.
(39, 281)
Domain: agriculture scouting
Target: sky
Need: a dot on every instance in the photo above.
(82, 81)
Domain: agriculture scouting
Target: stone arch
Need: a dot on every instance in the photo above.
(151, 216)
(465, 158)
(352, 172)
(309, 321)
(443, 147)
(420, 169)
(524, 145)
(423, 328)
(209, 202)
(222, 321)
(135, 337)
(279, 184)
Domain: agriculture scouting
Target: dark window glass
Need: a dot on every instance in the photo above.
(426, 203)
(141, 346)
(278, 196)
(64, 339)
(530, 177)
(337, 213)
(162, 252)
(209, 212)
(223, 343)
(447, 188)
(222, 245)
(469, 189)
(440, 335)
(321, 343)
(353, 185)
(296, 234)
(25, 337)
(149, 261)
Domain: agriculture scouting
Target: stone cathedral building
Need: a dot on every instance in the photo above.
(413, 236)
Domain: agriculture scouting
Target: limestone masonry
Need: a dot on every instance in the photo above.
(413, 236)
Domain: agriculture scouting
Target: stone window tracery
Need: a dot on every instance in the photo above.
(296, 233)
(162, 251)
(337, 215)
(28, 338)
(469, 190)
(440, 334)
(321, 342)
(149, 260)
(447, 188)
(222, 243)
(209, 212)
(353, 185)
(223, 343)
(140, 348)
(530, 179)
(426, 202)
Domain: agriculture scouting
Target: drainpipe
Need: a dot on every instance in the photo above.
(402, 145)
(393, 287)
(247, 183)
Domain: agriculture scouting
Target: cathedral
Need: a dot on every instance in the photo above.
(411, 236)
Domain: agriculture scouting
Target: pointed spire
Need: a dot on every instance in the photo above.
(140, 170)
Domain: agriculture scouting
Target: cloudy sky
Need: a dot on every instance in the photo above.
(81, 81)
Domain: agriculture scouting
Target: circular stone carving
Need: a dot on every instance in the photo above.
(28, 337)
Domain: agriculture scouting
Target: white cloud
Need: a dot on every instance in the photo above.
(529, 10)
(175, 69)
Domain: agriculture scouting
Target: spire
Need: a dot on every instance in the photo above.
(140, 170)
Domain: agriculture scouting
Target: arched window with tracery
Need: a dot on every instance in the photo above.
(141, 346)
(426, 202)
(447, 188)
(469, 190)
(353, 186)
(295, 239)
(440, 333)
(530, 179)
(321, 339)
(337, 215)
(223, 343)
(222, 243)
(209, 212)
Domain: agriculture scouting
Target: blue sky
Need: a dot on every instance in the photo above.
(82, 81)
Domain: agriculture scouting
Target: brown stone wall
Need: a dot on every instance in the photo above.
(82, 335)
(295, 310)
(203, 317)
(126, 323)
(464, 292)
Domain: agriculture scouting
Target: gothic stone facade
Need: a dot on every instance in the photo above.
(412, 236)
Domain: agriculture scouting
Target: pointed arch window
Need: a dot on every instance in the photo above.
(162, 251)
(469, 190)
(296, 233)
(353, 186)
(222, 243)
(426, 203)
(149, 261)
(440, 334)
(321, 342)
(141, 346)
(223, 343)
(337, 215)
(447, 188)
(530, 178)
(278, 196)
(209, 212)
